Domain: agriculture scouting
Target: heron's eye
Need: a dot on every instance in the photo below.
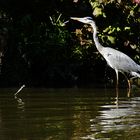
(86, 19)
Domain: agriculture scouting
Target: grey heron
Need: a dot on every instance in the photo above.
(117, 60)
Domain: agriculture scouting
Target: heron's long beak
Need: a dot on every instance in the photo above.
(75, 18)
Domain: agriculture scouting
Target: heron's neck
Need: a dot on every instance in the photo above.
(95, 38)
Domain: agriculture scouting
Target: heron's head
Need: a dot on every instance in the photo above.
(87, 20)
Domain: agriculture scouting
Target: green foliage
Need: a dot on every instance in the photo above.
(38, 50)
(118, 23)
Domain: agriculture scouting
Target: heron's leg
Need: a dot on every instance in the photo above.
(129, 84)
(117, 79)
(117, 85)
(129, 87)
(128, 81)
(117, 98)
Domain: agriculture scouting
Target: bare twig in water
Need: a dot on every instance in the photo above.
(19, 100)
(19, 90)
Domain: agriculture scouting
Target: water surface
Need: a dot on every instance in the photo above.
(69, 114)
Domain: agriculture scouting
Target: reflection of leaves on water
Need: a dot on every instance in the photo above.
(114, 120)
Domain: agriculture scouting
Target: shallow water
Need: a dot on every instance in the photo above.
(69, 114)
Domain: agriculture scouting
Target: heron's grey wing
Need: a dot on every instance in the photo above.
(118, 60)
